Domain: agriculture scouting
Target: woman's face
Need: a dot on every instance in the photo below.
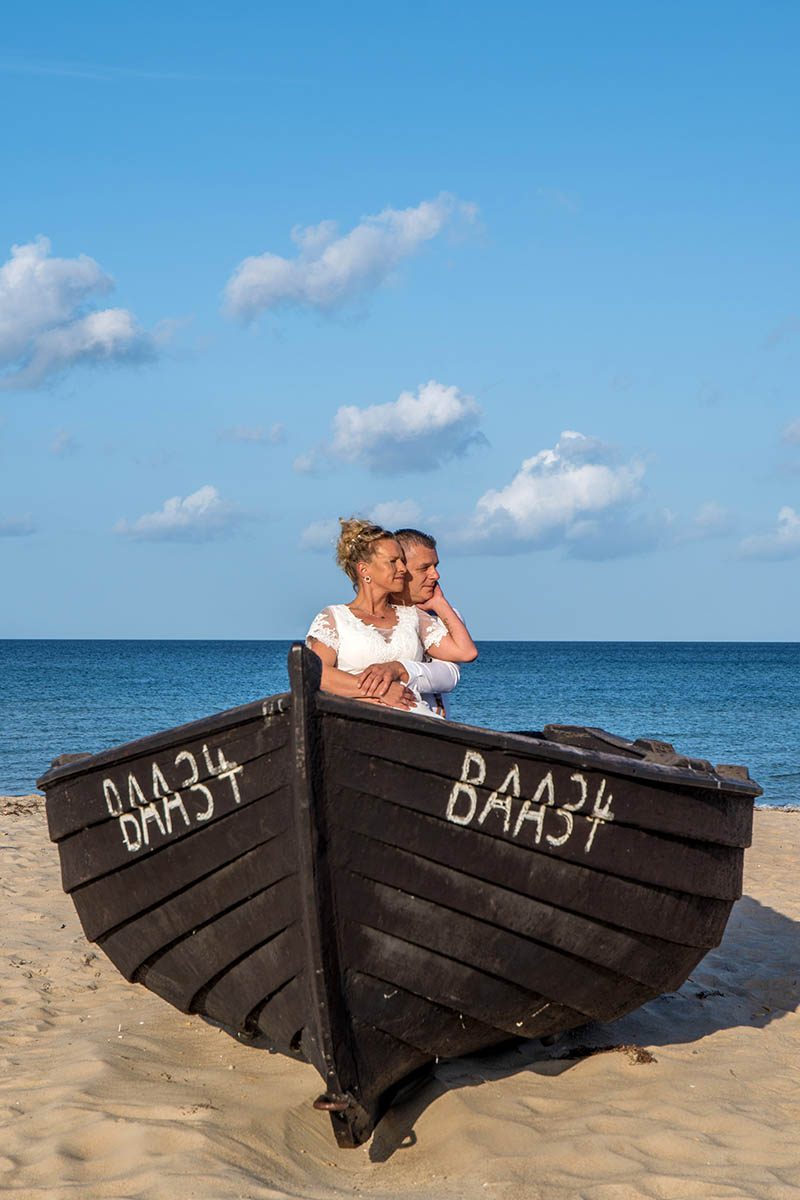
(387, 566)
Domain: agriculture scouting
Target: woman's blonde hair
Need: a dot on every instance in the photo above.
(357, 544)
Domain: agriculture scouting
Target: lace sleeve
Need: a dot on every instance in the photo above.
(323, 628)
(431, 629)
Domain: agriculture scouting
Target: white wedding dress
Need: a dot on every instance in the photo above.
(358, 644)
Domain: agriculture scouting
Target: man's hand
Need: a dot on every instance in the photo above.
(437, 603)
(397, 695)
(376, 679)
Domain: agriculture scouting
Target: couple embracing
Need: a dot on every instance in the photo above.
(397, 642)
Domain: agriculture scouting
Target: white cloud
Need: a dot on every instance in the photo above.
(415, 432)
(16, 527)
(199, 517)
(255, 435)
(329, 269)
(44, 325)
(564, 494)
(583, 497)
(781, 543)
(396, 514)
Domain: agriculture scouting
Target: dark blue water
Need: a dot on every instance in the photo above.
(729, 702)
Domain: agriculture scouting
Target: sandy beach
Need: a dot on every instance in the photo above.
(106, 1091)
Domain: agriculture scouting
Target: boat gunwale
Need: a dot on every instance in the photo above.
(229, 718)
(541, 748)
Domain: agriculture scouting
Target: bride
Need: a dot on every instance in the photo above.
(372, 628)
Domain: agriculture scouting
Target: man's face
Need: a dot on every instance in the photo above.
(421, 564)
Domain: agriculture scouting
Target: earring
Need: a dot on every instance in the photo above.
(367, 579)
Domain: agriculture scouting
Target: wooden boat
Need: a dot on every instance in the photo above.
(376, 889)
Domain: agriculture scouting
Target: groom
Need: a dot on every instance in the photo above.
(433, 679)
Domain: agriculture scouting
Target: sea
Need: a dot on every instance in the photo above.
(730, 702)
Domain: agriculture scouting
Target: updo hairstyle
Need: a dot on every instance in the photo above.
(357, 544)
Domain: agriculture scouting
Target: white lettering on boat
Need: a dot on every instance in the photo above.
(540, 817)
(155, 809)
(113, 798)
(511, 781)
(466, 787)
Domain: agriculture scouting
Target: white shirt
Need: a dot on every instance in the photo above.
(433, 680)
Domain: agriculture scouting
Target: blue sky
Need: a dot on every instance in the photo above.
(524, 275)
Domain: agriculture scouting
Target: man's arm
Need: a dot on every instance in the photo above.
(342, 683)
(458, 645)
(431, 676)
(439, 676)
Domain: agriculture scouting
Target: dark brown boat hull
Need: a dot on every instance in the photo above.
(378, 890)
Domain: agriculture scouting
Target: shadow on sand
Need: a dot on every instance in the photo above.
(750, 980)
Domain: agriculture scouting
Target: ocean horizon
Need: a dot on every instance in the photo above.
(732, 702)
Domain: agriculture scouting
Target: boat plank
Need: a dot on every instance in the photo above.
(193, 964)
(100, 849)
(282, 1017)
(647, 960)
(253, 978)
(696, 813)
(77, 803)
(433, 1030)
(697, 867)
(452, 984)
(131, 944)
(215, 725)
(688, 920)
(114, 898)
(382, 1060)
(591, 989)
(687, 772)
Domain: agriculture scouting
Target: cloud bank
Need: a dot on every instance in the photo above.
(44, 323)
(202, 516)
(415, 432)
(331, 269)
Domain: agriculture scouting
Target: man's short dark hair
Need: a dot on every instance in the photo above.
(414, 537)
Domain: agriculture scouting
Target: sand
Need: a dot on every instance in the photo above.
(106, 1091)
